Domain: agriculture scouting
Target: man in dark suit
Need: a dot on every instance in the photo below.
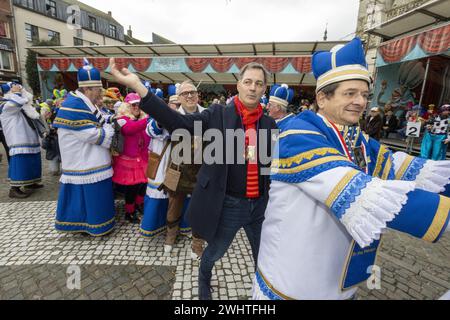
(390, 124)
(374, 124)
(233, 192)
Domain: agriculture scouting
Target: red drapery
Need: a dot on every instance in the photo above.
(197, 64)
(77, 62)
(240, 62)
(122, 62)
(141, 64)
(45, 63)
(275, 65)
(222, 65)
(302, 64)
(100, 63)
(62, 64)
(396, 50)
(433, 42)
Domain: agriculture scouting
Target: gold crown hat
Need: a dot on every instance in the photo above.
(343, 62)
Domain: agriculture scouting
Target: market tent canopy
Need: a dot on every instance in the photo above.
(429, 14)
(176, 50)
(288, 62)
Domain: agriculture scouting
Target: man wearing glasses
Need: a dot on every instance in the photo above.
(229, 194)
(187, 96)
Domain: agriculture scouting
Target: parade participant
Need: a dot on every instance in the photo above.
(110, 97)
(50, 141)
(430, 113)
(156, 202)
(390, 124)
(47, 110)
(280, 98)
(435, 140)
(2, 136)
(334, 192)
(178, 199)
(85, 202)
(25, 168)
(174, 103)
(374, 124)
(130, 165)
(227, 196)
(411, 116)
(264, 104)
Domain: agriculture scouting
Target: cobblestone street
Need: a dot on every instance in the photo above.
(34, 260)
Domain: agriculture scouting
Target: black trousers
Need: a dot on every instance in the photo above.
(131, 192)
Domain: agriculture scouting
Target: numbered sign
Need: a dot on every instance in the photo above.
(413, 129)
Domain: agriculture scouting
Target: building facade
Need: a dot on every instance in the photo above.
(63, 22)
(9, 69)
(374, 12)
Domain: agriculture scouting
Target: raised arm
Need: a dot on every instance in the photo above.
(157, 108)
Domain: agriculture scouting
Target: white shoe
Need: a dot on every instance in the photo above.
(194, 256)
(168, 248)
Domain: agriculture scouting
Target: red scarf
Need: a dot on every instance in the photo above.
(249, 119)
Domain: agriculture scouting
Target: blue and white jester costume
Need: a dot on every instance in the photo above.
(282, 96)
(156, 201)
(85, 202)
(25, 167)
(327, 211)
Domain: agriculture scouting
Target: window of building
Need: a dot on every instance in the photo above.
(54, 37)
(4, 30)
(31, 33)
(77, 42)
(29, 4)
(5, 60)
(92, 23)
(92, 44)
(50, 7)
(112, 31)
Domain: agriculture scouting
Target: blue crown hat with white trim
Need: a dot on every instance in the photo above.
(281, 95)
(264, 101)
(172, 89)
(342, 63)
(159, 93)
(88, 76)
(148, 85)
(6, 87)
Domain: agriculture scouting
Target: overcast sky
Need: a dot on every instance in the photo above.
(234, 21)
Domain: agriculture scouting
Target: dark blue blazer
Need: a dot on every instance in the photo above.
(205, 207)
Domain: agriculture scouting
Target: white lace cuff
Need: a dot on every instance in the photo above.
(379, 203)
(434, 176)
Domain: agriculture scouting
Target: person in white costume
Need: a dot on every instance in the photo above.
(25, 168)
(85, 201)
(334, 191)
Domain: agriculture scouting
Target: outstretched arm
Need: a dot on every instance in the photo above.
(157, 108)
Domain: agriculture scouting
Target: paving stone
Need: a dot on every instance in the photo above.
(33, 254)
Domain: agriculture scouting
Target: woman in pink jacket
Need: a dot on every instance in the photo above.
(130, 166)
